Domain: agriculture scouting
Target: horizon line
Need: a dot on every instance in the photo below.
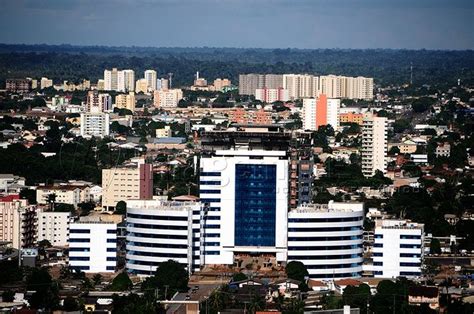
(236, 48)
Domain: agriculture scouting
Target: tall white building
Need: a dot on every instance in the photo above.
(105, 102)
(150, 78)
(374, 144)
(18, 221)
(111, 79)
(246, 193)
(347, 87)
(320, 111)
(95, 124)
(158, 231)
(54, 227)
(301, 85)
(327, 238)
(168, 98)
(126, 81)
(398, 248)
(93, 246)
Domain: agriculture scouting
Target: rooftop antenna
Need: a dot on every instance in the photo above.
(411, 73)
(170, 75)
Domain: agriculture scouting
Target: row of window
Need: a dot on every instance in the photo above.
(157, 236)
(334, 266)
(324, 257)
(157, 217)
(331, 275)
(159, 245)
(87, 240)
(324, 238)
(402, 236)
(163, 227)
(341, 219)
(210, 182)
(155, 254)
(324, 248)
(325, 229)
(210, 174)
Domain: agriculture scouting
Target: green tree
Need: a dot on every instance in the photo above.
(357, 297)
(170, 276)
(46, 291)
(97, 279)
(70, 304)
(8, 296)
(435, 246)
(296, 270)
(239, 277)
(121, 282)
(121, 208)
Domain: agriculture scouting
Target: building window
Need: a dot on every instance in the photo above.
(255, 205)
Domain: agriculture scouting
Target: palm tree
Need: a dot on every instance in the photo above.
(51, 200)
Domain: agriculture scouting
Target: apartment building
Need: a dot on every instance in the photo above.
(374, 144)
(111, 79)
(126, 81)
(150, 79)
(18, 222)
(249, 83)
(95, 124)
(125, 101)
(18, 85)
(270, 95)
(65, 194)
(164, 132)
(301, 85)
(219, 84)
(133, 181)
(398, 248)
(10, 182)
(54, 227)
(168, 98)
(320, 111)
(45, 83)
(93, 246)
(351, 117)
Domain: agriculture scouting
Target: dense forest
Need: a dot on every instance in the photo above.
(65, 62)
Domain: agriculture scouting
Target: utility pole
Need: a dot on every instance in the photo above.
(166, 292)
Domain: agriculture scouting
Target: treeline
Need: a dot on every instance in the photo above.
(386, 66)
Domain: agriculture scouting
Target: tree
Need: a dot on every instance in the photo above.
(357, 297)
(97, 279)
(121, 282)
(296, 270)
(394, 150)
(170, 276)
(8, 296)
(51, 200)
(46, 291)
(435, 246)
(239, 277)
(121, 208)
(70, 304)
(86, 208)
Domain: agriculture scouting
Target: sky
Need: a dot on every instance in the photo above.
(407, 24)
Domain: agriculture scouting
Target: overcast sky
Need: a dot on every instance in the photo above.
(411, 24)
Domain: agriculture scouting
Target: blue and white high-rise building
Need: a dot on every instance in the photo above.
(398, 248)
(158, 231)
(246, 193)
(93, 246)
(327, 238)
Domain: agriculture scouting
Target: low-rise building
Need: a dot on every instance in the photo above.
(65, 194)
(93, 246)
(443, 150)
(398, 248)
(54, 227)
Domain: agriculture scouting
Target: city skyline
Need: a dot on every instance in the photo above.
(301, 24)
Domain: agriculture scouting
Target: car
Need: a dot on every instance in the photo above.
(196, 287)
(188, 297)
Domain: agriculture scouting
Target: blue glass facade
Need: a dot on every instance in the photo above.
(255, 205)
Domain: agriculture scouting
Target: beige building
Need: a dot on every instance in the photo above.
(18, 222)
(111, 79)
(141, 86)
(301, 85)
(248, 83)
(219, 84)
(125, 101)
(54, 227)
(374, 144)
(134, 181)
(167, 98)
(164, 132)
(45, 83)
(346, 87)
(65, 194)
(150, 79)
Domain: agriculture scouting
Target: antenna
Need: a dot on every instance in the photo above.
(170, 75)
(411, 73)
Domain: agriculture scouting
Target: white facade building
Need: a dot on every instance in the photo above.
(374, 144)
(150, 78)
(158, 231)
(327, 238)
(270, 95)
(333, 107)
(54, 227)
(301, 85)
(95, 124)
(93, 246)
(111, 79)
(246, 193)
(126, 81)
(66, 194)
(398, 248)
